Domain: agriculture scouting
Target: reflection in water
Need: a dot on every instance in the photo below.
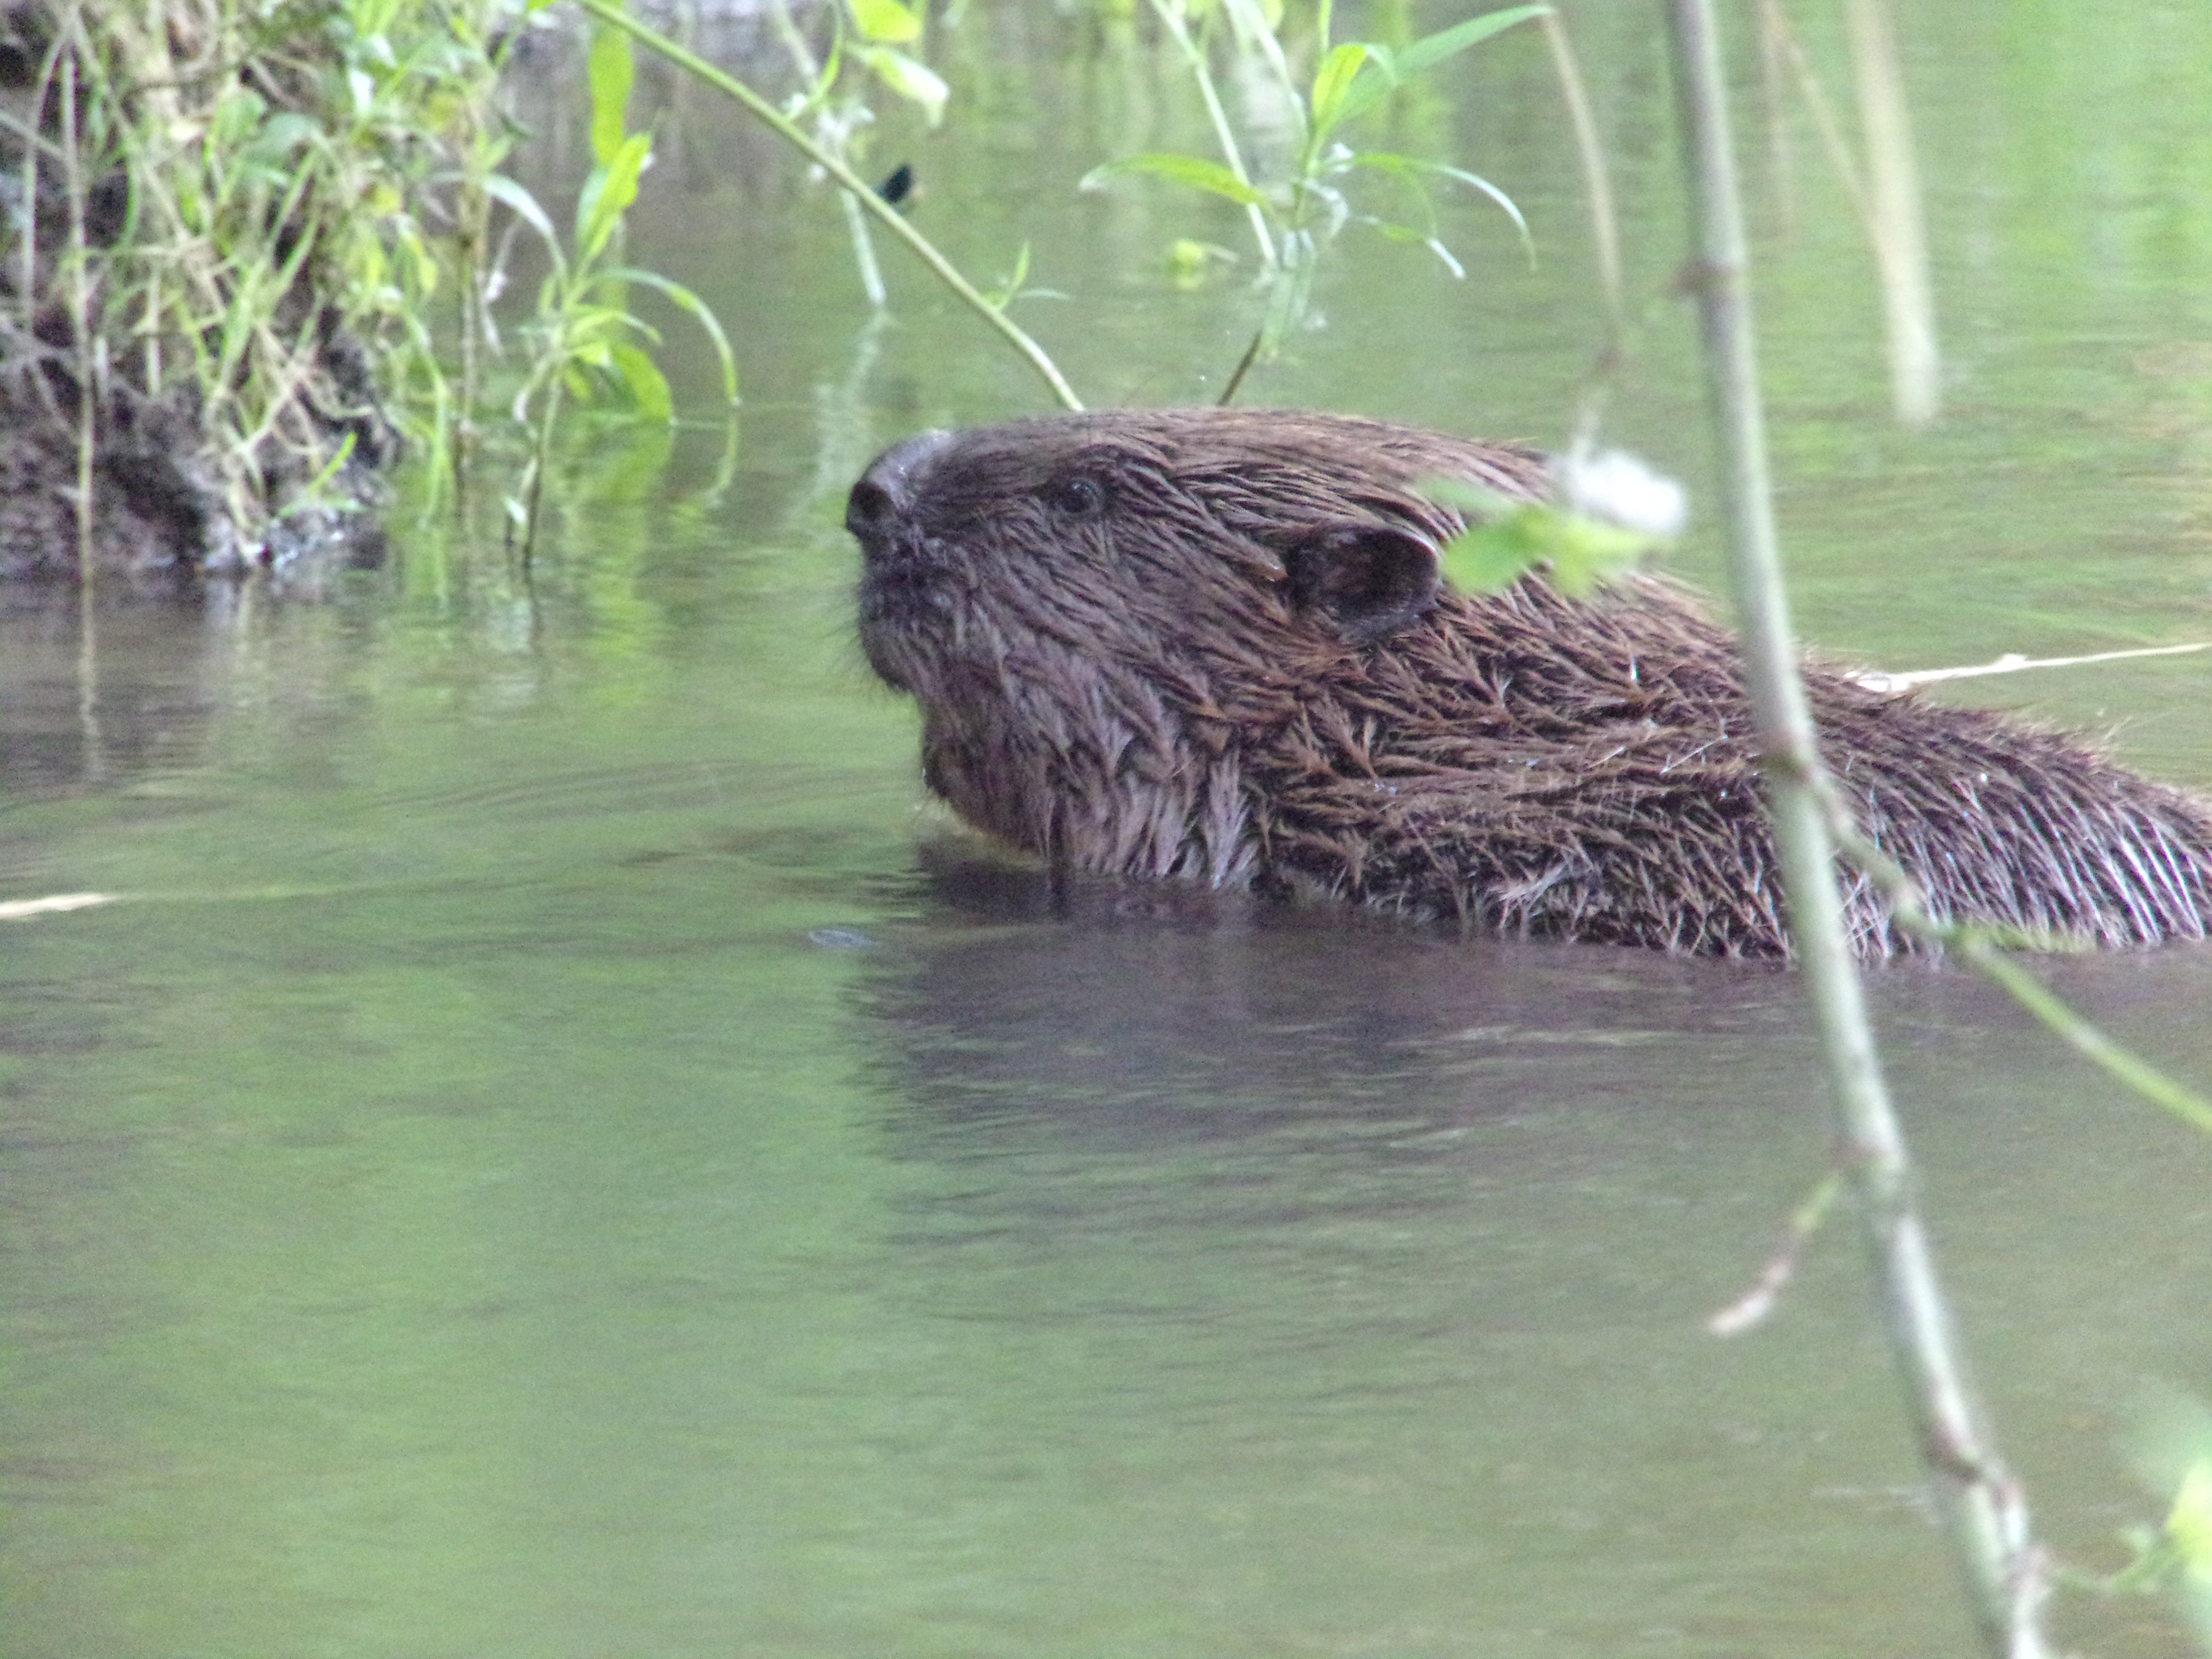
(1114, 1011)
(87, 702)
(1221, 1209)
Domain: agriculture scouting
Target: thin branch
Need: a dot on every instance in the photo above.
(611, 12)
(1597, 182)
(1986, 1512)
(2012, 662)
(1172, 19)
(1983, 948)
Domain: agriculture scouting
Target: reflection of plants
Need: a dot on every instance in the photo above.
(583, 338)
(1298, 214)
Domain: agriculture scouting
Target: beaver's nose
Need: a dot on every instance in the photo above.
(885, 490)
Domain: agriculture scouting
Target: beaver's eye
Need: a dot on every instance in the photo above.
(1079, 497)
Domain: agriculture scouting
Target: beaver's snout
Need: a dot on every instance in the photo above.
(885, 492)
(899, 566)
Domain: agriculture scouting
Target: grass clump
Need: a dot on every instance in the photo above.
(235, 221)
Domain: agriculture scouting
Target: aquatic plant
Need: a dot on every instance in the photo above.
(1297, 215)
(583, 336)
(274, 222)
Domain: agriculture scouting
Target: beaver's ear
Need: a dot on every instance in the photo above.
(1369, 579)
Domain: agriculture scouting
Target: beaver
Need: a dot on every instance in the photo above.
(1216, 644)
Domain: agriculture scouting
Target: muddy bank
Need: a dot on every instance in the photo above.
(161, 518)
(115, 466)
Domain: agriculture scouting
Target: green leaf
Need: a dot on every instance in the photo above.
(1193, 172)
(525, 207)
(607, 196)
(1427, 52)
(1489, 558)
(610, 68)
(648, 387)
(1413, 167)
(2188, 1526)
(1190, 262)
(886, 20)
(280, 136)
(1332, 80)
(1433, 49)
(910, 78)
(1004, 295)
(236, 114)
(1578, 554)
(685, 299)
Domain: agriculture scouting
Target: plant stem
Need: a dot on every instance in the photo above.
(1605, 228)
(1981, 948)
(1172, 19)
(1243, 367)
(831, 134)
(80, 300)
(1984, 1508)
(1897, 221)
(610, 12)
(540, 459)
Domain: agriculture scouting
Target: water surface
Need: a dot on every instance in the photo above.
(558, 1151)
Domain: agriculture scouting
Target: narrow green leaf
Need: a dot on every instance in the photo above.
(1433, 49)
(648, 387)
(1331, 81)
(1004, 295)
(1426, 53)
(886, 20)
(1410, 166)
(607, 196)
(609, 68)
(910, 78)
(685, 299)
(524, 206)
(1193, 172)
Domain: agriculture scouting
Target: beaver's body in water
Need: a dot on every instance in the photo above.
(1215, 644)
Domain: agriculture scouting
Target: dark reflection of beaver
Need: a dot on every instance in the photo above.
(1215, 644)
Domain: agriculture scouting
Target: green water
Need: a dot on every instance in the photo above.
(553, 1153)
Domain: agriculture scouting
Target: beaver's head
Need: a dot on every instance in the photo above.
(1091, 609)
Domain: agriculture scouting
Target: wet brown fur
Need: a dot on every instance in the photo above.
(1211, 645)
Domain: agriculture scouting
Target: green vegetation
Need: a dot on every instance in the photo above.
(280, 221)
(284, 224)
(1296, 217)
(583, 337)
(252, 212)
